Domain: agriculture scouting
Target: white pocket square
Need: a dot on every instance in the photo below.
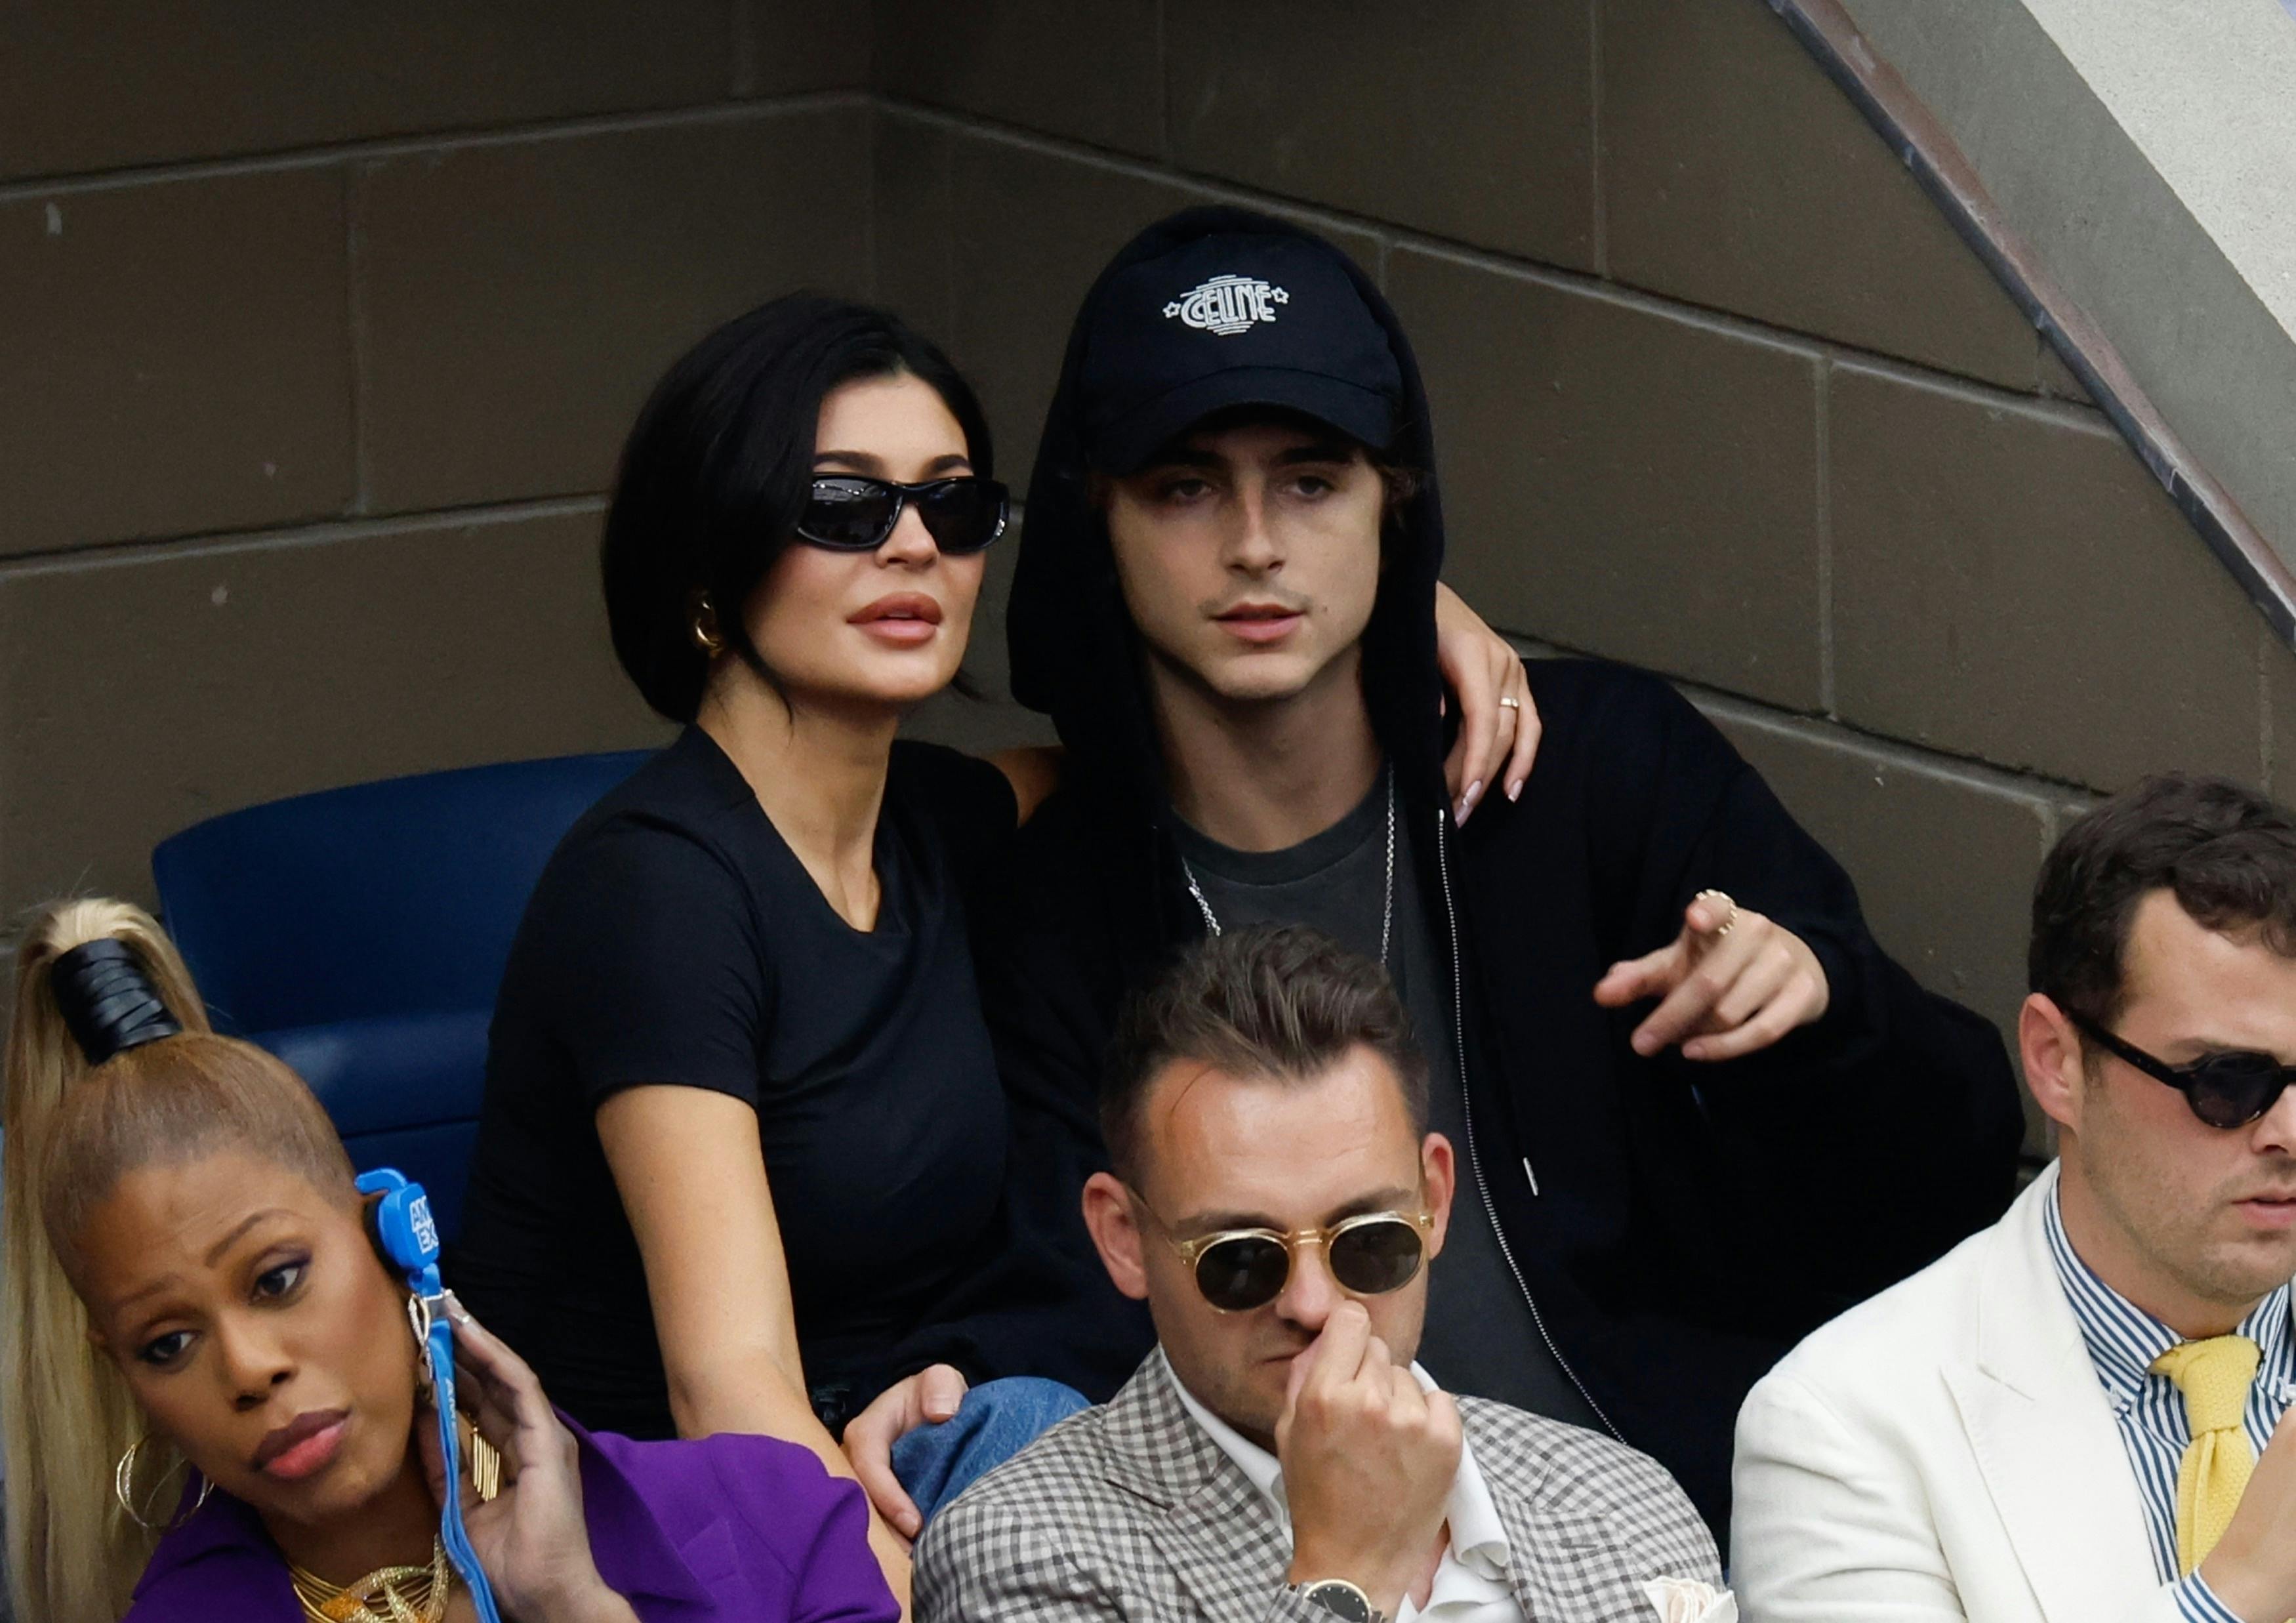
(1681, 1599)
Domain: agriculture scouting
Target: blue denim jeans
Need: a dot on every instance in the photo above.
(996, 1421)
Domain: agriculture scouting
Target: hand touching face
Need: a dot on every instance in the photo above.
(532, 1540)
(1221, 1153)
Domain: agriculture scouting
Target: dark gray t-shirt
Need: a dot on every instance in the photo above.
(1481, 1338)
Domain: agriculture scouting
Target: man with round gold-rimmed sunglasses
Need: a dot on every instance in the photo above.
(1278, 1202)
(1239, 1269)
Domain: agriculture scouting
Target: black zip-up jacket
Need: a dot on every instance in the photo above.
(1676, 1226)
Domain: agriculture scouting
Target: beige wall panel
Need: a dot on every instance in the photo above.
(520, 299)
(912, 236)
(2280, 729)
(100, 84)
(1028, 232)
(1091, 72)
(173, 358)
(791, 45)
(1618, 482)
(262, 670)
(2010, 584)
(1944, 866)
(1473, 119)
(1735, 175)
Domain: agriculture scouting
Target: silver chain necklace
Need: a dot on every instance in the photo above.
(1387, 908)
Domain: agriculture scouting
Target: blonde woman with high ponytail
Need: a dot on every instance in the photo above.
(213, 1405)
(68, 1418)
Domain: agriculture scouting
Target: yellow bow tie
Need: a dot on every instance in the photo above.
(2215, 1376)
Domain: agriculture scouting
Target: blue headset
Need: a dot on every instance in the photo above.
(408, 1239)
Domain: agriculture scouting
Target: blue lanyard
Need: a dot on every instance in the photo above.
(441, 1343)
(408, 1239)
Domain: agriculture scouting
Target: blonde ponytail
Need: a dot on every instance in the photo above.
(73, 1555)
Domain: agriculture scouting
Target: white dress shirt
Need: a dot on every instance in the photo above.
(1471, 1582)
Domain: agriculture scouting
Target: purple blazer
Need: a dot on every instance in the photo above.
(728, 1527)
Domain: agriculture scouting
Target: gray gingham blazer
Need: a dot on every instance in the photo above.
(1130, 1510)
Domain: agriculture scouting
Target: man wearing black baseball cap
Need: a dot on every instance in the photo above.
(1697, 1109)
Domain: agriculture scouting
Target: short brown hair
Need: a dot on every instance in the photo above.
(2227, 853)
(1279, 1001)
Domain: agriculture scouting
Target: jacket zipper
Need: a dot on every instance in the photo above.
(1467, 1119)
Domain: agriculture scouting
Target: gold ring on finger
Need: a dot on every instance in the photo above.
(1720, 898)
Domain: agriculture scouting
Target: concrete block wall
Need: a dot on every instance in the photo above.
(1716, 390)
(320, 327)
(314, 363)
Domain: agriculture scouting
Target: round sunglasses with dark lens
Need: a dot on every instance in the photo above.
(2225, 1090)
(850, 512)
(1371, 1255)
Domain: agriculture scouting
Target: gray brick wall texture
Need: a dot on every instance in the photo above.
(315, 360)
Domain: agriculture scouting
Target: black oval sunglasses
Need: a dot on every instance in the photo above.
(850, 512)
(2225, 1090)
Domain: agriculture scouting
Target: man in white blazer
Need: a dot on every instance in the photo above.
(2078, 1416)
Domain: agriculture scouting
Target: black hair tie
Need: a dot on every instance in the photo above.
(108, 1000)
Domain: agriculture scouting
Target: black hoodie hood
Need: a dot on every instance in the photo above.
(1075, 655)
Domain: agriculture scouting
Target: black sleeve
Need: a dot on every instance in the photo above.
(1896, 1097)
(650, 968)
(967, 802)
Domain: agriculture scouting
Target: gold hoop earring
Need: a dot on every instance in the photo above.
(123, 1489)
(705, 629)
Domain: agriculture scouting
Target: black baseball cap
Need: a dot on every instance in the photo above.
(1233, 318)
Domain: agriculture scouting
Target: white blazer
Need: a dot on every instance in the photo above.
(1944, 1451)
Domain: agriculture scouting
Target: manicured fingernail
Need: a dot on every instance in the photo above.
(1474, 793)
(1515, 789)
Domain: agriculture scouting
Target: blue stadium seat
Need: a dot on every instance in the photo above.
(360, 934)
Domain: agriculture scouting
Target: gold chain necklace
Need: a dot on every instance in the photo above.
(406, 1594)
(388, 1594)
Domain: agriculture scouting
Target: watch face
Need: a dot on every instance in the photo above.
(1341, 1599)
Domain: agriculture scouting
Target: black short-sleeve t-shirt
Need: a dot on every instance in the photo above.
(675, 938)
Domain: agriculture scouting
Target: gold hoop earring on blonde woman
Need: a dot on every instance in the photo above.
(123, 1489)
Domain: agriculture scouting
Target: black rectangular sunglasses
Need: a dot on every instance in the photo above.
(2225, 1090)
(850, 512)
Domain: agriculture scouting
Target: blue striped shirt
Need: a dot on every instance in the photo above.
(2123, 1342)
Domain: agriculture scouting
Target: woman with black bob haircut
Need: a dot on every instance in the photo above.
(720, 466)
(743, 1128)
